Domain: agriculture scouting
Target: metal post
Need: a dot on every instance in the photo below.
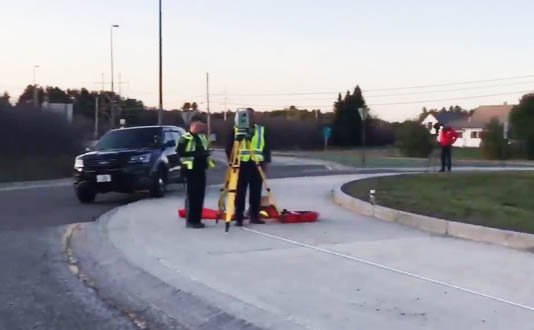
(112, 106)
(97, 101)
(160, 109)
(363, 116)
(208, 103)
(363, 142)
(35, 94)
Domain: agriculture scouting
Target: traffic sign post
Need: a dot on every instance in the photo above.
(327, 133)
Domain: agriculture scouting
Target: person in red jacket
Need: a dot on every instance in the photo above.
(447, 137)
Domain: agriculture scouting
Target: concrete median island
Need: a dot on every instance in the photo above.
(492, 207)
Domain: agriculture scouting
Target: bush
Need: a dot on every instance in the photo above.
(494, 146)
(522, 121)
(29, 132)
(414, 140)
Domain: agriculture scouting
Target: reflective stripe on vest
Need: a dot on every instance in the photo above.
(191, 147)
(253, 149)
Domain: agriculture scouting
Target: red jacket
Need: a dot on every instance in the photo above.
(447, 137)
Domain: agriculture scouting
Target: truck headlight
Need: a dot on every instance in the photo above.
(145, 158)
(78, 164)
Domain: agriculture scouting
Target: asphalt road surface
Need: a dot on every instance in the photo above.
(37, 289)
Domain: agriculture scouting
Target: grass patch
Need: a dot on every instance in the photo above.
(374, 157)
(500, 200)
(391, 157)
(28, 168)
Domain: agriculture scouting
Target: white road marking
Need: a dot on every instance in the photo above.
(398, 271)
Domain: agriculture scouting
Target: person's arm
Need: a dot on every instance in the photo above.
(180, 148)
(267, 147)
(455, 136)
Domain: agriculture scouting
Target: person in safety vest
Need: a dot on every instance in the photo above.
(447, 137)
(254, 151)
(195, 158)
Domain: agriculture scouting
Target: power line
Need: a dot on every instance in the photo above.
(451, 90)
(383, 89)
(415, 93)
(452, 83)
(386, 104)
(453, 98)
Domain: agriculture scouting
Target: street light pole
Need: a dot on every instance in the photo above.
(112, 106)
(97, 101)
(35, 95)
(160, 109)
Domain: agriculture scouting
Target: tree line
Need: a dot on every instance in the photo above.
(297, 128)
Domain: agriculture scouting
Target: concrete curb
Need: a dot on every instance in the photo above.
(506, 238)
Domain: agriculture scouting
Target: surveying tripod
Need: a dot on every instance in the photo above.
(226, 204)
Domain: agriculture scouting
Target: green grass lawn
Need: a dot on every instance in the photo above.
(27, 168)
(375, 157)
(391, 157)
(499, 200)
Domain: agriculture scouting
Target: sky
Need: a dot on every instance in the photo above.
(258, 51)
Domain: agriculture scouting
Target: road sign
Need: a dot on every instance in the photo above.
(363, 113)
(327, 132)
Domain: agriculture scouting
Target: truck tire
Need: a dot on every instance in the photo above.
(85, 193)
(159, 184)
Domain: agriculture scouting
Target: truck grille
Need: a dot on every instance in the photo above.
(102, 163)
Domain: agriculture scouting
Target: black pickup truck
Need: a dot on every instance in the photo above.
(130, 159)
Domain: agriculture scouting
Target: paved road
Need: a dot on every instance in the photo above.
(37, 289)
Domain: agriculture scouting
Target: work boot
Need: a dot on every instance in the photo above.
(257, 221)
(196, 225)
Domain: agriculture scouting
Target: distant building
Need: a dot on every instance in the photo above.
(469, 128)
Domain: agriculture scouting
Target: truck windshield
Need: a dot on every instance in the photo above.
(133, 138)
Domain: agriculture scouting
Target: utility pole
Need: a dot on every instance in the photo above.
(103, 82)
(208, 104)
(35, 94)
(225, 105)
(112, 106)
(120, 85)
(97, 101)
(160, 110)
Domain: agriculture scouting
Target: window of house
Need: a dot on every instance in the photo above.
(475, 135)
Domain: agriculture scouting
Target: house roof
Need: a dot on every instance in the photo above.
(449, 117)
(482, 116)
(466, 123)
(484, 113)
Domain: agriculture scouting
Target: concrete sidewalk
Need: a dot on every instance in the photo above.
(344, 272)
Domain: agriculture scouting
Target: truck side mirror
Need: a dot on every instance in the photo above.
(170, 144)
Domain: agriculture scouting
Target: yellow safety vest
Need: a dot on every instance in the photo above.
(191, 146)
(253, 149)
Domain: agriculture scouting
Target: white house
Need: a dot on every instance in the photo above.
(447, 119)
(469, 128)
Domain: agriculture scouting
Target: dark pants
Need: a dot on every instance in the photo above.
(446, 158)
(249, 176)
(196, 189)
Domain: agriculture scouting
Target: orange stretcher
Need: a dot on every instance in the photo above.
(266, 213)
